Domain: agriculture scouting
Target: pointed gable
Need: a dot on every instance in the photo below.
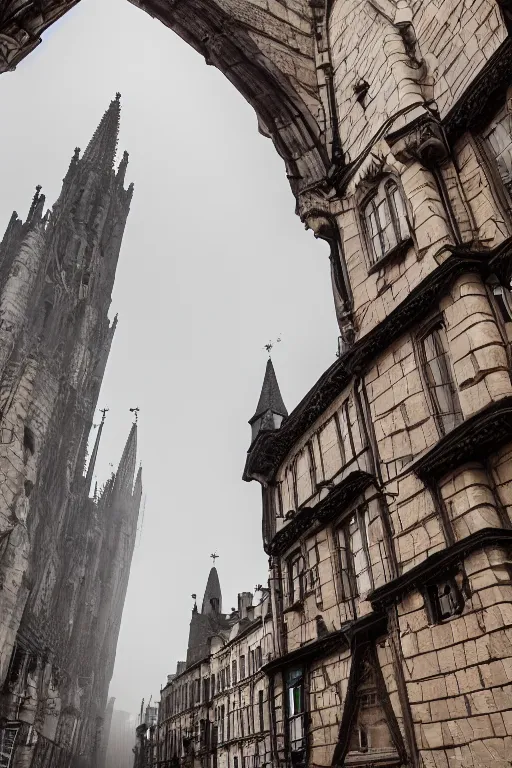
(369, 734)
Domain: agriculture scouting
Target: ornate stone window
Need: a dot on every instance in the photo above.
(385, 221)
(439, 379)
(498, 137)
(295, 713)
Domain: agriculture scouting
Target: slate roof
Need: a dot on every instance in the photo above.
(270, 398)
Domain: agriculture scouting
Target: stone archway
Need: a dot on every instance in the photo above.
(271, 53)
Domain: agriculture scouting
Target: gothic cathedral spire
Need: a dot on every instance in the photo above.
(102, 148)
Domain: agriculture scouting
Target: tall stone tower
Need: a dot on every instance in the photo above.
(65, 558)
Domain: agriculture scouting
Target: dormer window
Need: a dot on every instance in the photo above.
(385, 221)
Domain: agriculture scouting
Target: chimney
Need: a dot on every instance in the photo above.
(170, 678)
(244, 603)
(180, 667)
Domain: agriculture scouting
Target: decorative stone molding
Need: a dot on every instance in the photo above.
(353, 485)
(422, 140)
(437, 566)
(21, 24)
(473, 440)
(483, 96)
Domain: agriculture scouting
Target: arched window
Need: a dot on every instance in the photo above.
(385, 220)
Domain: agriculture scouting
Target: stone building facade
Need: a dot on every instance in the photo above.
(387, 492)
(215, 709)
(64, 556)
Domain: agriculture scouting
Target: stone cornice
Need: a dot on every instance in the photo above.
(315, 649)
(436, 566)
(270, 448)
(371, 625)
(473, 440)
(354, 484)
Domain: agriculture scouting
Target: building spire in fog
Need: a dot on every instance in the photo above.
(102, 148)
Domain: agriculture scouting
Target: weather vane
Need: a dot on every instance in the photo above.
(214, 556)
(104, 411)
(136, 412)
(271, 344)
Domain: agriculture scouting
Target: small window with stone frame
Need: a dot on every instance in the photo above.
(444, 601)
(385, 220)
(242, 667)
(438, 377)
(234, 676)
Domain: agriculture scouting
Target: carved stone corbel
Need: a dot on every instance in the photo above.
(423, 140)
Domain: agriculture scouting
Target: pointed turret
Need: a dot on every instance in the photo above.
(123, 485)
(212, 600)
(209, 622)
(102, 148)
(94, 456)
(271, 409)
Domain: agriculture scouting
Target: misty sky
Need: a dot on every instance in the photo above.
(214, 264)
